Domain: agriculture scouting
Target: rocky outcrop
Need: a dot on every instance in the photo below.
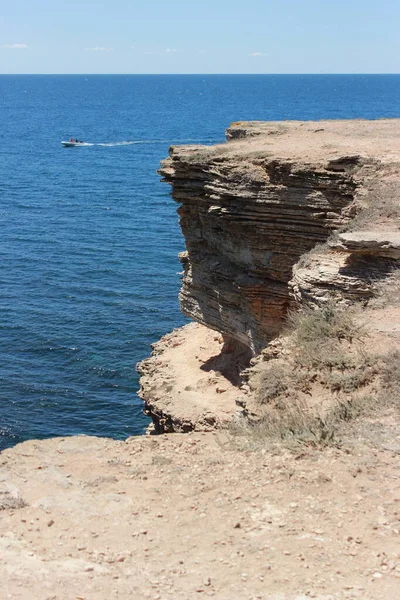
(347, 269)
(247, 219)
(369, 243)
(250, 210)
(191, 381)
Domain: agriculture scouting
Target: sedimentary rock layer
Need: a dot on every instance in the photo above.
(248, 214)
(249, 210)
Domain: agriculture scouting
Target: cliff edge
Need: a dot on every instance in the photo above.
(283, 215)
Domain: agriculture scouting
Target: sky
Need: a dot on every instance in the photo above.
(205, 36)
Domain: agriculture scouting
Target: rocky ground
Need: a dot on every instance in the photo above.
(200, 395)
(202, 514)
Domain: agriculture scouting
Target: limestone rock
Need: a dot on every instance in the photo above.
(258, 214)
(247, 218)
(371, 243)
(347, 269)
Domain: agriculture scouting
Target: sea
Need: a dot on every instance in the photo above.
(89, 236)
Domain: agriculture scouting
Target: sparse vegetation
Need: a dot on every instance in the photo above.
(391, 377)
(327, 324)
(305, 259)
(324, 381)
(381, 203)
(273, 383)
(387, 291)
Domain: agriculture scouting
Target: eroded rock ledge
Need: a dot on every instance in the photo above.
(250, 209)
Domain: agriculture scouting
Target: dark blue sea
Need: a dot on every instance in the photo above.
(89, 236)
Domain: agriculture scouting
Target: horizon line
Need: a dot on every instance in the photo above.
(194, 74)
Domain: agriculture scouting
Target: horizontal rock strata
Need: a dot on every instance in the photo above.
(348, 268)
(370, 243)
(247, 218)
(250, 210)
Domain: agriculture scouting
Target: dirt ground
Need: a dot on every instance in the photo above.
(202, 514)
(189, 379)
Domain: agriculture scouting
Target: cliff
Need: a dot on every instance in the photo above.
(259, 215)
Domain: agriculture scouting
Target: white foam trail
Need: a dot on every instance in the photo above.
(129, 143)
(117, 144)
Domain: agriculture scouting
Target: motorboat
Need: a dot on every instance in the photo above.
(73, 144)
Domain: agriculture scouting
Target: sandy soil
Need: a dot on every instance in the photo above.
(201, 514)
(190, 379)
(312, 140)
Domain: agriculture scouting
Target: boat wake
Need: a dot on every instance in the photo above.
(132, 142)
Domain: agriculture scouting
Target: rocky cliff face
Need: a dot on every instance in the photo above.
(247, 218)
(251, 208)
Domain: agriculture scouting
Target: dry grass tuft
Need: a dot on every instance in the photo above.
(387, 291)
(306, 259)
(319, 336)
(324, 381)
(390, 390)
(10, 501)
(380, 204)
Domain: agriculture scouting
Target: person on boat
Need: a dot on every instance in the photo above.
(72, 140)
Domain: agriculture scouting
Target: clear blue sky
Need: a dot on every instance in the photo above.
(205, 36)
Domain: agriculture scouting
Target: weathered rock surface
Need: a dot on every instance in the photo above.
(247, 217)
(369, 243)
(250, 210)
(190, 383)
(347, 269)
